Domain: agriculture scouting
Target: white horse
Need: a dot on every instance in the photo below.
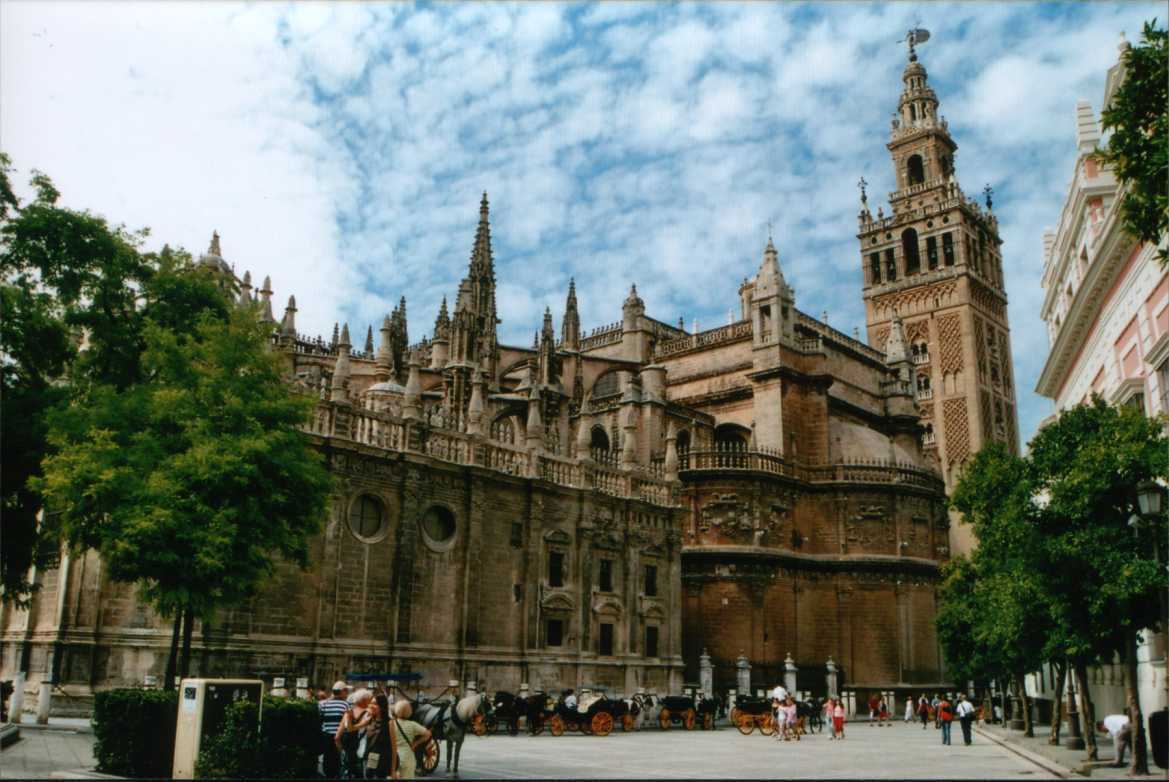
(451, 721)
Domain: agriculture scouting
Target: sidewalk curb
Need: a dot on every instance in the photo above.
(61, 728)
(1059, 771)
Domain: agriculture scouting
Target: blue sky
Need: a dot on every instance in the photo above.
(342, 148)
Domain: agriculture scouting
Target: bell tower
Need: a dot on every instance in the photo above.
(934, 262)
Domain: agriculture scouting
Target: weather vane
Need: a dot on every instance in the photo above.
(915, 36)
(862, 184)
(988, 191)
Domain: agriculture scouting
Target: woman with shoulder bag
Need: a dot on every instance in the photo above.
(409, 736)
(351, 734)
(381, 755)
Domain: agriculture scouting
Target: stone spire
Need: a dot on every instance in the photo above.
(368, 340)
(266, 301)
(896, 350)
(769, 280)
(440, 348)
(336, 336)
(340, 382)
(384, 361)
(442, 323)
(412, 403)
(288, 322)
(570, 327)
(482, 262)
(245, 289)
(549, 364)
(213, 248)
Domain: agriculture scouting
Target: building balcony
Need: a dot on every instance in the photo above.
(921, 358)
(924, 394)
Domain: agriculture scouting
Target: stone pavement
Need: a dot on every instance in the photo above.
(59, 751)
(898, 752)
(1067, 761)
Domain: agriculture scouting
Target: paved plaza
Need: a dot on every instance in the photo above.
(898, 752)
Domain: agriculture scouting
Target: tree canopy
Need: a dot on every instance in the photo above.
(1138, 117)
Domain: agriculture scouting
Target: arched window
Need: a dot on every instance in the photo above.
(502, 430)
(683, 441)
(599, 449)
(910, 251)
(915, 170)
(731, 436)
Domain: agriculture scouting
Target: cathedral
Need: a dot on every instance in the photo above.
(635, 506)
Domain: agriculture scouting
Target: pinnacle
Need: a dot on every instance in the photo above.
(213, 249)
(344, 335)
(291, 302)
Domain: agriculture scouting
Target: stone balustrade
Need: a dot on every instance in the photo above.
(878, 471)
(603, 335)
(723, 334)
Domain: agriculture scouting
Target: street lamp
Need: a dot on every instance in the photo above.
(1150, 497)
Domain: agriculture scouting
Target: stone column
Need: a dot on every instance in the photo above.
(16, 705)
(789, 674)
(705, 673)
(831, 677)
(743, 675)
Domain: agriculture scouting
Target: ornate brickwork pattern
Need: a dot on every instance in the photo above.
(988, 301)
(916, 300)
(950, 342)
(918, 330)
(957, 428)
(980, 348)
(1005, 368)
(987, 422)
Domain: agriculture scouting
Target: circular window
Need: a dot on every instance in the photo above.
(438, 526)
(367, 516)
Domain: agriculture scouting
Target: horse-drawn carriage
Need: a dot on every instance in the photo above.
(594, 714)
(749, 713)
(508, 708)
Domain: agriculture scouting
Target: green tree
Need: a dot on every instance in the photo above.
(1105, 570)
(65, 275)
(1138, 149)
(194, 480)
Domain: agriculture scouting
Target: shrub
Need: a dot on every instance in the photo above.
(284, 747)
(134, 732)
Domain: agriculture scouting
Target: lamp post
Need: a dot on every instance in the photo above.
(1073, 740)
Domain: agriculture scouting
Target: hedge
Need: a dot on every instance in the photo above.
(134, 732)
(285, 747)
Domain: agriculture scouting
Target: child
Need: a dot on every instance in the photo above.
(838, 720)
(829, 705)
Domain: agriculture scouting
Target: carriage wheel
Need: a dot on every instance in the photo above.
(556, 725)
(628, 723)
(745, 724)
(536, 726)
(688, 719)
(734, 715)
(602, 723)
(430, 757)
(479, 725)
(664, 719)
(767, 725)
(707, 721)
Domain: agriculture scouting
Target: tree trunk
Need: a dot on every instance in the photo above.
(1087, 711)
(172, 659)
(1025, 706)
(1057, 702)
(188, 628)
(1140, 751)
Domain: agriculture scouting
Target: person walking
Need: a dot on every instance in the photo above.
(332, 711)
(965, 713)
(1120, 729)
(934, 710)
(829, 707)
(409, 736)
(945, 717)
(874, 704)
(908, 709)
(381, 756)
(838, 720)
(923, 711)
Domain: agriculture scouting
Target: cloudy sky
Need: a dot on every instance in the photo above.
(342, 148)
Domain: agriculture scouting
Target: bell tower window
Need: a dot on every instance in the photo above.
(890, 266)
(911, 251)
(931, 252)
(875, 268)
(915, 170)
(948, 248)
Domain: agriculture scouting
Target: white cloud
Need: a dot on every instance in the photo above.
(342, 148)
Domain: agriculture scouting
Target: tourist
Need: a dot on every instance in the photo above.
(351, 733)
(793, 717)
(923, 710)
(1119, 728)
(882, 713)
(874, 705)
(945, 717)
(838, 720)
(965, 713)
(332, 711)
(380, 758)
(829, 707)
(570, 700)
(934, 710)
(409, 736)
(908, 709)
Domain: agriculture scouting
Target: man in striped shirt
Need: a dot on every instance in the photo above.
(332, 711)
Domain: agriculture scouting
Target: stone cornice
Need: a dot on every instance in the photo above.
(837, 563)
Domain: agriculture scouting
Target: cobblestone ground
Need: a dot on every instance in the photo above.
(897, 752)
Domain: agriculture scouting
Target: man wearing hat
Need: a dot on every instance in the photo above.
(332, 711)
